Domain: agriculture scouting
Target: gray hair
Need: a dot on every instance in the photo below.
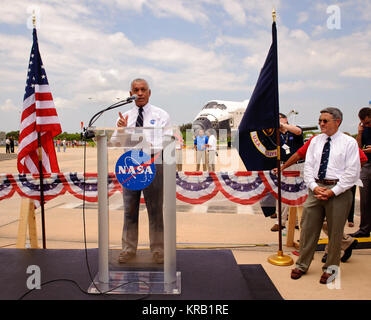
(335, 112)
(139, 79)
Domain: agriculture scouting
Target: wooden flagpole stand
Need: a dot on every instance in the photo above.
(27, 220)
(293, 212)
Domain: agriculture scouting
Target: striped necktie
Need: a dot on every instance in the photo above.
(324, 160)
(139, 122)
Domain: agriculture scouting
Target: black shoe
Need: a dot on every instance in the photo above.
(348, 251)
(324, 258)
(359, 234)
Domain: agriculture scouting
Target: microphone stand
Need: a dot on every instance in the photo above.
(88, 134)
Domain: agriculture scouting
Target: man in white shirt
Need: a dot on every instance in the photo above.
(332, 167)
(7, 145)
(211, 150)
(179, 143)
(144, 115)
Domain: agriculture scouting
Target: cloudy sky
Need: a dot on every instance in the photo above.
(191, 51)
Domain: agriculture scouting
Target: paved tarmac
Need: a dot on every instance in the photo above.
(216, 224)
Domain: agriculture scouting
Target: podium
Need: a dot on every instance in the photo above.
(137, 155)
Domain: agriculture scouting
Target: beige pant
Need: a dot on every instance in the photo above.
(336, 211)
(345, 242)
(179, 159)
(201, 157)
(211, 160)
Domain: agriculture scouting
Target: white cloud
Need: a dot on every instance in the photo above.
(187, 10)
(301, 85)
(87, 56)
(9, 106)
(357, 72)
(235, 10)
(303, 17)
(61, 103)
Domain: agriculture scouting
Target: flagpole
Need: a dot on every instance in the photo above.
(41, 175)
(279, 259)
(41, 190)
(278, 140)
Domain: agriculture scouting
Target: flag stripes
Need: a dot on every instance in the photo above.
(39, 116)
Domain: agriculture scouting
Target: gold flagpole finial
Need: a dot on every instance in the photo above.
(34, 19)
(274, 15)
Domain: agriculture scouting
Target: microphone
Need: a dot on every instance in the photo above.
(89, 134)
(132, 98)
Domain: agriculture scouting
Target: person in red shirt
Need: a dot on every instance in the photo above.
(300, 154)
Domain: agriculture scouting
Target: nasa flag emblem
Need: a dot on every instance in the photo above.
(135, 170)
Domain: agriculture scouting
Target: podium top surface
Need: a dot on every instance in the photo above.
(138, 137)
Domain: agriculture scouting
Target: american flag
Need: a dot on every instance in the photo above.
(38, 116)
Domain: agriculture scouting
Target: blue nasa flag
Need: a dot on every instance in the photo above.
(257, 131)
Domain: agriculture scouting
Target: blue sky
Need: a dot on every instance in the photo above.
(191, 51)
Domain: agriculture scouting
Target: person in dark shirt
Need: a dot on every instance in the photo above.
(364, 142)
(11, 144)
(291, 140)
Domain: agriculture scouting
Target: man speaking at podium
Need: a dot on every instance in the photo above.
(144, 115)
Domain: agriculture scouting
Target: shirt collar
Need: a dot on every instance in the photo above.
(145, 108)
(334, 136)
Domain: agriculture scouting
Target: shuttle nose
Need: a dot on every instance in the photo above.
(201, 124)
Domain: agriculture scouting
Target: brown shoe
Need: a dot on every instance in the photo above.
(158, 257)
(324, 277)
(126, 256)
(296, 273)
(276, 227)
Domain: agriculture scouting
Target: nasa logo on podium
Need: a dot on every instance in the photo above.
(135, 170)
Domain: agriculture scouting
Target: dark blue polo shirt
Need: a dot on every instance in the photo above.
(366, 140)
(293, 141)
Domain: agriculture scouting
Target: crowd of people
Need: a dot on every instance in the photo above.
(64, 144)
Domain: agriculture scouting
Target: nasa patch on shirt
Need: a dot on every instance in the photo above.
(135, 170)
(152, 121)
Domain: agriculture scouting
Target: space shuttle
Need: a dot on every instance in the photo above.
(220, 114)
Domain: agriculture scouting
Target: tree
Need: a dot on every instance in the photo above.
(14, 134)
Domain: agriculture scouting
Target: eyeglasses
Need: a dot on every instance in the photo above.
(324, 121)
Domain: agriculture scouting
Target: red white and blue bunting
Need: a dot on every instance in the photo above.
(242, 187)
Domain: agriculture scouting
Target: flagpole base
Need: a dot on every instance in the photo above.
(280, 259)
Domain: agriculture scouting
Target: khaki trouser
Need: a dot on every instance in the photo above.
(345, 242)
(336, 211)
(201, 156)
(179, 159)
(211, 160)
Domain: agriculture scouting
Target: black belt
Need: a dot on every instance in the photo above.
(297, 162)
(327, 181)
